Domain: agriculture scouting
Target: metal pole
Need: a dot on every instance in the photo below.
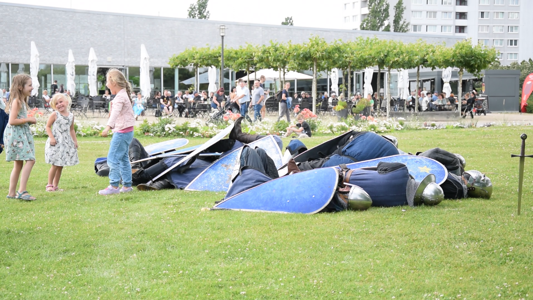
(221, 82)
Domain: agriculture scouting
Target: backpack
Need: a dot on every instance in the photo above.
(279, 96)
(158, 113)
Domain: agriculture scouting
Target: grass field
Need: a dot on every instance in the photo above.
(161, 245)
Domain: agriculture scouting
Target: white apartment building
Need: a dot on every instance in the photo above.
(503, 24)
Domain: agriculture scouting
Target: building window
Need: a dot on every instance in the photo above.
(446, 2)
(483, 14)
(461, 16)
(418, 2)
(447, 28)
(353, 5)
(446, 15)
(514, 2)
(417, 15)
(431, 28)
(512, 29)
(497, 29)
(483, 28)
(460, 29)
(512, 56)
(513, 15)
(461, 2)
(499, 55)
(498, 43)
(417, 28)
(431, 15)
(513, 43)
(346, 19)
(499, 2)
(354, 18)
(484, 42)
(499, 15)
(346, 6)
(484, 2)
(432, 2)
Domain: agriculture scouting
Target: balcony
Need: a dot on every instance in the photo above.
(461, 2)
(461, 16)
(461, 29)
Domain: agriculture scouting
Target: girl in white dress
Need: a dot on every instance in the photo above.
(61, 146)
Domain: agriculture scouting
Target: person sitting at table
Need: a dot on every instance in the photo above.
(166, 104)
(203, 96)
(46, 99)
(440, 102)
(452, 102)
(138, 105)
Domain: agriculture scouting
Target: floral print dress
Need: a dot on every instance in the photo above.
(18, 139)
(64, 152)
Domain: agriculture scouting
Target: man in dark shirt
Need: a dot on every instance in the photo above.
(218, 99)
(54, 88)
(302, 129)
(284, 110)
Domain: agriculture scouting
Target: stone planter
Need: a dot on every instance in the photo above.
(342, 114)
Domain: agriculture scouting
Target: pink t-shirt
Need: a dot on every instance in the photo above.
(125, 130)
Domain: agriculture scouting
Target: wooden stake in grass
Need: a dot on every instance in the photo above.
(521, 168)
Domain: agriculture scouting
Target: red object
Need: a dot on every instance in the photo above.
(527, 88)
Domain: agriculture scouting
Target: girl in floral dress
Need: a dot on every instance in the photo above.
(18, 139)
(61, 146)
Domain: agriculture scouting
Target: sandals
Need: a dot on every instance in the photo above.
(25, 196)
(11, 197)
(52, 188)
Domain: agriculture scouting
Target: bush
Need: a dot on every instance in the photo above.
(281, 126)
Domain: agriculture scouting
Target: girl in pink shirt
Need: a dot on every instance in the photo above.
(121, 121)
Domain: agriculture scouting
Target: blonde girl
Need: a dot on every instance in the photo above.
(121, 120)
(61, 147)
(18, 137)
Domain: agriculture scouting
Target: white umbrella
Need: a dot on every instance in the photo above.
(270, 74)
(212, 74)
(403, 84)
(446, 77)
(146, 88)
(92, 78)
(335, 81)
(368, 82)
(70, 68)
(34, 69)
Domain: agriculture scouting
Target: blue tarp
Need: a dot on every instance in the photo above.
(248, 179)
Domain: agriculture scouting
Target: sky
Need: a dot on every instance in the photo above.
(305, 13)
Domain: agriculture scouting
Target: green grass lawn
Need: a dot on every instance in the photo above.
(162, 245)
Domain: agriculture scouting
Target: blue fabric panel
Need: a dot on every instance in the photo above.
(278, 141)
(248, 179)
(4, 119)
(295, 146)
(369, 146)
(385, 189)
(100, 160)
(180, 181)
(336, 160)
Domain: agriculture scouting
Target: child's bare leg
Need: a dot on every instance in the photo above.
(15, 174)
(26, 171)
(57, 176)
(51, 175)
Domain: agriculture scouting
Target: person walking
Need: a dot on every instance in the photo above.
(258, 96)
(122, 122)
(284, 110)
(243, 96)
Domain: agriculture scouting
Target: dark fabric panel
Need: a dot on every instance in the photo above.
(137, 152)
(268, 164)
(250, 158)
(336, 160)
(454, 187)
(296, 147)
(181, 180)
(247, 179)
(448, 159)
(388, 189)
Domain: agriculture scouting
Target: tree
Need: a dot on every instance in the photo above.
(276, 56)
(376, 55)
(465, 56)
(398, 23)
(424, 56)
(196, 58)
(244, 58)
(347, 57)
(199, 10)
(288, 21)
(378, 16)
(315, 55)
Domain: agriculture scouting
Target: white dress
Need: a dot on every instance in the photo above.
(64, 153)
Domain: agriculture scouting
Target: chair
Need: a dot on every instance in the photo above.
(81, 107)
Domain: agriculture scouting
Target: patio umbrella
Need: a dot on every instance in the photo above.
(368, 82)
(335, 81)
(146, 88)
(270, 74)
(212, 79)
(403, 84)
(70, 68)
(92, 77)
(34, 69)
(446, 77)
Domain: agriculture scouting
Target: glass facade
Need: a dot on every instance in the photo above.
(4, 76)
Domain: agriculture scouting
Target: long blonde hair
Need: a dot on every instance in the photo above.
(118, 77)
(15, 91)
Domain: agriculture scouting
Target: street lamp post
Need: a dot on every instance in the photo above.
(222, 29)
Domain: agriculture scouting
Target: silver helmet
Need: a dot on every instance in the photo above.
(479, 185)
(356, 198)
(428, 192)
